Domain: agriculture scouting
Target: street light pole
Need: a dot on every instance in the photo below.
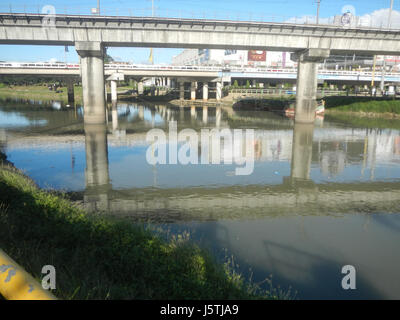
(318, 3)
(390, 14)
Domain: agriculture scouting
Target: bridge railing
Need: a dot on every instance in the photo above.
(220, 69)
(337, 18)
(281, 92)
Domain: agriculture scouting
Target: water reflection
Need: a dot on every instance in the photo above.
(320, 197)
(302, 151)
(96, 174)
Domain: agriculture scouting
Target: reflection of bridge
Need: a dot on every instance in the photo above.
(90, 34)
(297, 195)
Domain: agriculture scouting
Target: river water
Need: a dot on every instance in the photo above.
(316, 198)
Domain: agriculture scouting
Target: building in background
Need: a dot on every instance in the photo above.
(242, 58)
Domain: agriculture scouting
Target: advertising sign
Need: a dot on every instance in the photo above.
(256, 55)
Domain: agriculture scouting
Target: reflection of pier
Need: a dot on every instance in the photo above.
(96, 173)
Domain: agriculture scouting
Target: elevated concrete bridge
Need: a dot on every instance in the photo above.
(201, 73)
(90, 34)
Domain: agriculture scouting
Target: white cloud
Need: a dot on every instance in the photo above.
(376, 19)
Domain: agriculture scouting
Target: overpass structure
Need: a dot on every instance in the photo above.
(310, 44)
(202, 73)
(180, 74)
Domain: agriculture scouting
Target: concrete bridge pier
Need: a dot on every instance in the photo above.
(193, 86)
(306, 87)
(140, 87)
(205, 91)
(181, 90)
(105, 92)
(114, 115)
(70, 90)
(93, 84)
(114, 91)
(219, 90)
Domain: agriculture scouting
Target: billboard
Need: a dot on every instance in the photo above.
(229, 52)
(256, 55)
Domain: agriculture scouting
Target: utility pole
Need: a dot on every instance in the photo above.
(390, 14)
(384, 57)
(318, 3)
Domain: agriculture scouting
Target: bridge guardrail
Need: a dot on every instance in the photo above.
(365, 21)
(221, 69)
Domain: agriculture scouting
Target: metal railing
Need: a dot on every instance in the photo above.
(221, 69)
(366, 21)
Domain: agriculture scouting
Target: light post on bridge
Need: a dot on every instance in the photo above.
(96, 10)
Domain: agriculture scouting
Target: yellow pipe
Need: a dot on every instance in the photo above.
(17, 284)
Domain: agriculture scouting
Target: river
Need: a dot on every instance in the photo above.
(314, 198)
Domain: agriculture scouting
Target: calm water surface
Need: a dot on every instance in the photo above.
(320, 197)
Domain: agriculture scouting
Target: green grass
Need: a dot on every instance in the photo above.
(101, 258)
(363, 104)
(39, 92)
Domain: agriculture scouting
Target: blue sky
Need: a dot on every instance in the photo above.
(267, 10)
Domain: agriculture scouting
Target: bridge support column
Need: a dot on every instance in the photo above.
(205, 91)
(114, 114)
(181, 90)
(193, 90)
(307, 72)
(70, 89)
(92, 72)
(105, 92)
(219, 91)
(114, 95)
(140, 87)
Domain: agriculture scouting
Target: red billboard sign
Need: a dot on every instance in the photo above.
(256, 55)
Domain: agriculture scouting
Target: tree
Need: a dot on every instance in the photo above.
(107, 57)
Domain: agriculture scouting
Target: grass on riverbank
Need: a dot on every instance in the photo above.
(100, 258)
(39, 92)
(376, 105)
